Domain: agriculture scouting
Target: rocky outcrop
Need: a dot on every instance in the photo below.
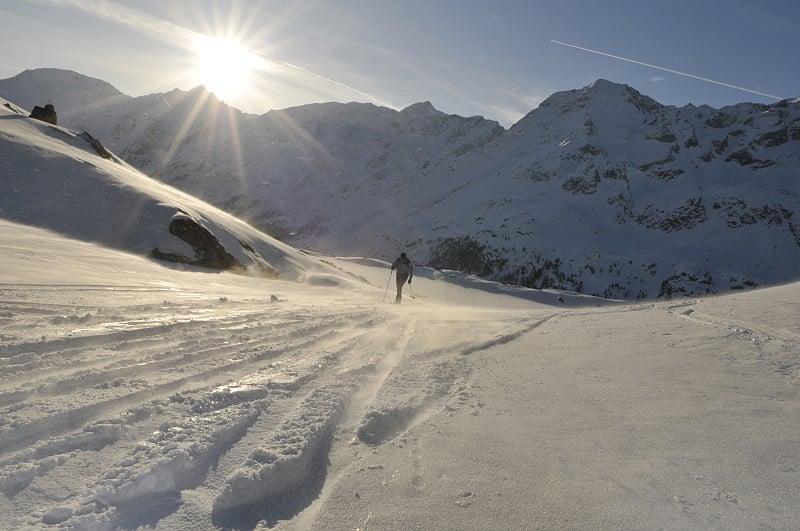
(208, 252)
(45, 114)
(97, 146)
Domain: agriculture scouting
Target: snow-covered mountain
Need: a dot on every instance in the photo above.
(136, 396)
(600, 190)
(69, 183)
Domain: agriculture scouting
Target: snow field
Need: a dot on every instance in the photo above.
(120, 394)
(139, 396)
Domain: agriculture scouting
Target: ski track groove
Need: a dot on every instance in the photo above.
(775, 347)
(376, 415)
(297, 339)
(271, 503)
(119, 342)
(242, 381)
(511, 333)
(356, 411)
(172, 472)
(72, 419)
(738, 325)
(179, 355)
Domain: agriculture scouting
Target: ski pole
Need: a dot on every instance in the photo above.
(387, 286)
(411, 289)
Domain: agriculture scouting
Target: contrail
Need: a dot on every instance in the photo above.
(671, 71)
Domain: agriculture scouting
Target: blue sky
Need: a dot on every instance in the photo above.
(493, 58)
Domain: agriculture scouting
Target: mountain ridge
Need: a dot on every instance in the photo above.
(601, 189)
(68, 183)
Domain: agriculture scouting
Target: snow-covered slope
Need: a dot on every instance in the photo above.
(137, 396)
(600, 190)
(69, 183)
(606, 191)
(73, 92)
(134, 396)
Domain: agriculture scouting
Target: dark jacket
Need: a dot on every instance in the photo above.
(404, 268)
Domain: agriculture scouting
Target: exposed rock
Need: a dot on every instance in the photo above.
(97, 146)
(208, 251)
(46, 114)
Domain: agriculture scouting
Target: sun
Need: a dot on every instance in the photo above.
(224, 66)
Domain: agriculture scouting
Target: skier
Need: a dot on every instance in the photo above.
(405, 271)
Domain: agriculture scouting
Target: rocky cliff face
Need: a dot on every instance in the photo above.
(687, 200)
(601, 190)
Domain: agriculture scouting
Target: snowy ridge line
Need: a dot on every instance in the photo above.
(630, 192)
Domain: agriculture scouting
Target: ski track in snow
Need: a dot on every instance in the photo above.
(776, 346)
(159, 407)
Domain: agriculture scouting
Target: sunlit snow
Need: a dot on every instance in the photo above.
(134, 394)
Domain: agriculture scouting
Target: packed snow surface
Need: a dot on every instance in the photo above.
(135, 396)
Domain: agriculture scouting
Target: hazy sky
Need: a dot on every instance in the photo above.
(494, 58)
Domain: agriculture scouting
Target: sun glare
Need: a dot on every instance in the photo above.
(224, 66)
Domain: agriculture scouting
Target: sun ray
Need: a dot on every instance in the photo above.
(225, 66)
(238, 157)
(177, 140)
